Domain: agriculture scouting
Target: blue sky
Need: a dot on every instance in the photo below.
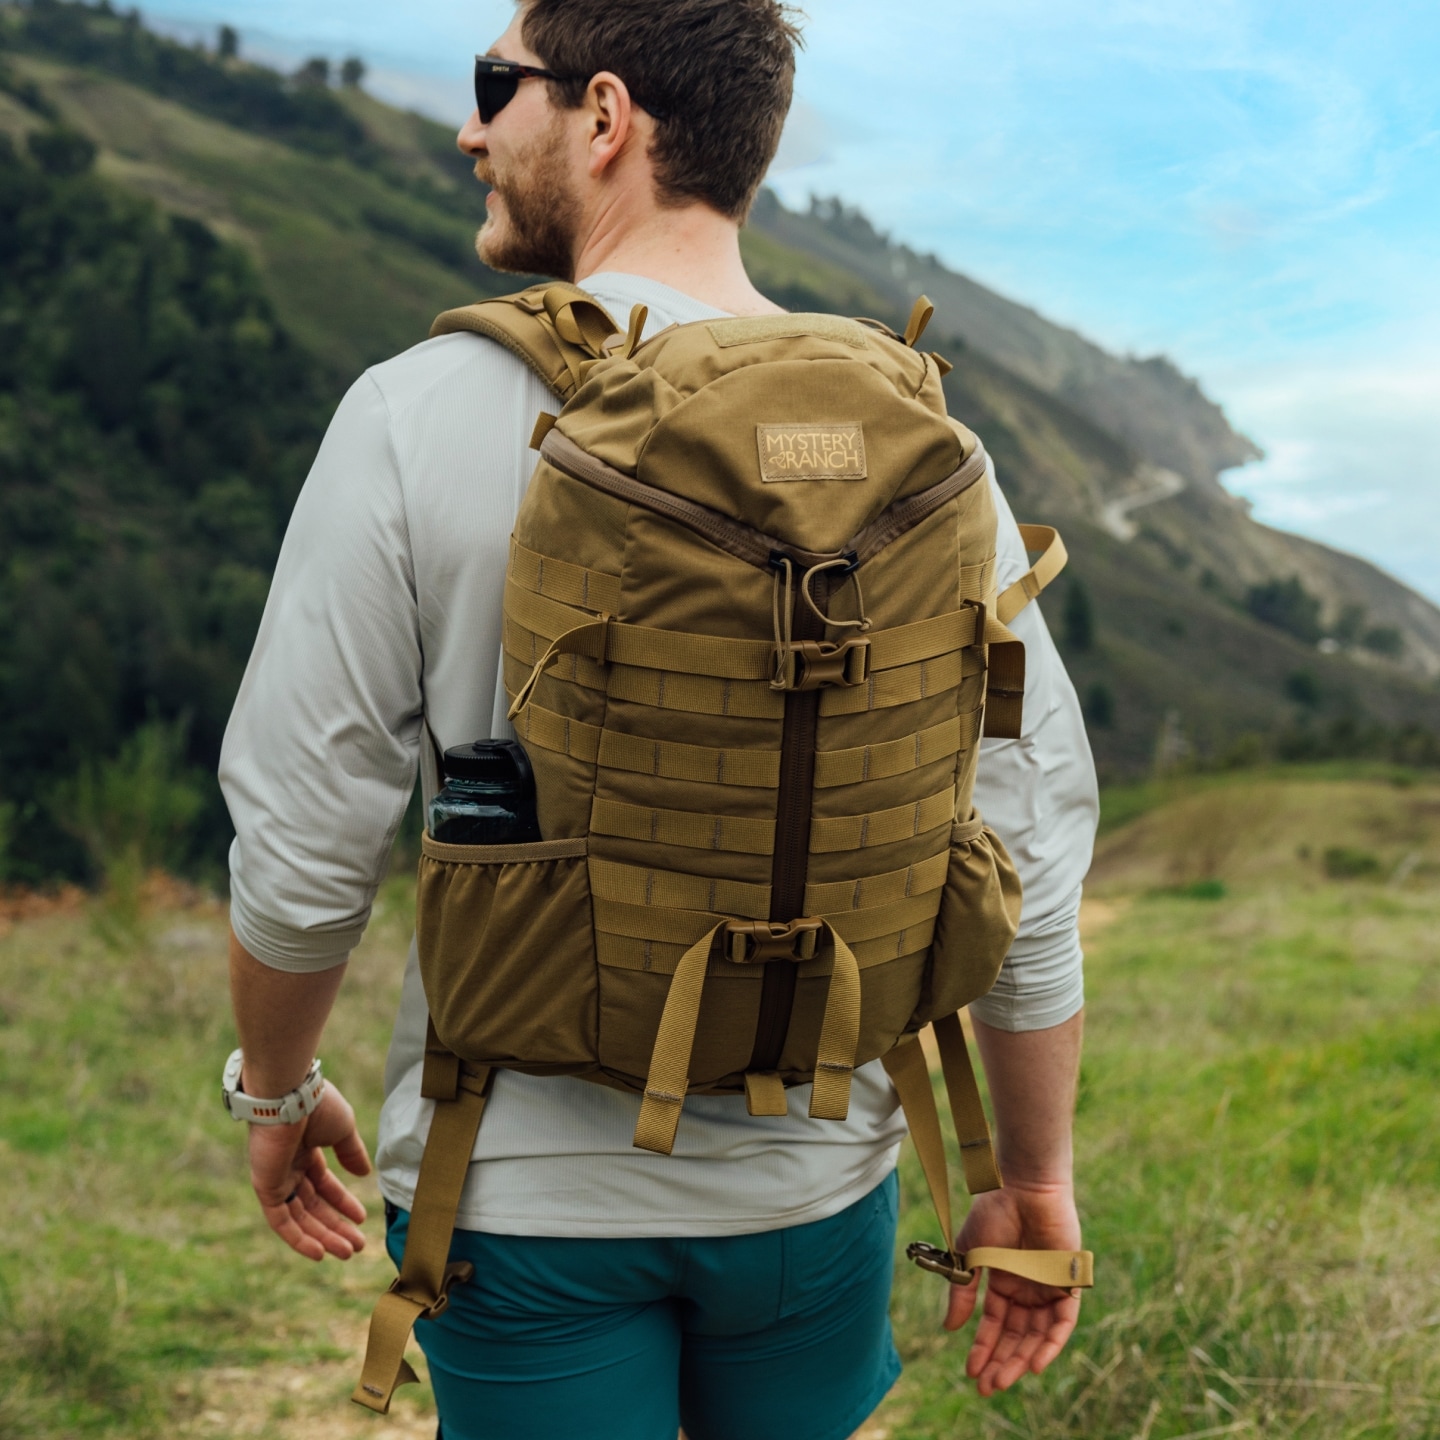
(1250, 186)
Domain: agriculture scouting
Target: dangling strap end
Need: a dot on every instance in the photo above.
(919, 319)
(638, 316)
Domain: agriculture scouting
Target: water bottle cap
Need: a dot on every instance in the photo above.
(498, 761)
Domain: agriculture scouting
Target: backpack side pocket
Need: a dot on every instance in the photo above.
(979, 914)
(507, 952)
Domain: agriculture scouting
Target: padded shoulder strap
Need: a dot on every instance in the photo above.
(554, 328)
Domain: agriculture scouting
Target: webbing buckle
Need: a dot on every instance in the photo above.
(754, 942)
(938, 1262)
(814, 664)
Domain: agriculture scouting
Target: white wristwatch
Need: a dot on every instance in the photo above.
(303, 1100)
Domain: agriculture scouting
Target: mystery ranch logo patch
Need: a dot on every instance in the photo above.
(828, 451)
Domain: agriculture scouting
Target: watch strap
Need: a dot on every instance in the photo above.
(303, 1100)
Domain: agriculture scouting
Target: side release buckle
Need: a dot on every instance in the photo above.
(815, 664)
(755, 942)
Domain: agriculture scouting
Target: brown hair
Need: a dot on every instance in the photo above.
(716, 75)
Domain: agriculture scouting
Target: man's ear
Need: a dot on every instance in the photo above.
(610, 120)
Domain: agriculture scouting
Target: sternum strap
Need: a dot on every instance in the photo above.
(421, 1291)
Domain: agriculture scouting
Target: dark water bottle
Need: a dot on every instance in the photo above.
(488, 797)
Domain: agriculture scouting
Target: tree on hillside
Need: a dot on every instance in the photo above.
(315, 71)
(1078, 617)
(1288, 606)
(229, 43)
(1384, 640)
(156, 423)
(352, 72)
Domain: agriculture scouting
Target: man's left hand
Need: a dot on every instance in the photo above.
(1023, 1326)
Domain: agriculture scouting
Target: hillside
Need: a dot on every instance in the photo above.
(1149, 404)
(342, 226)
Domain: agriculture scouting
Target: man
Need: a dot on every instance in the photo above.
(740, 1286)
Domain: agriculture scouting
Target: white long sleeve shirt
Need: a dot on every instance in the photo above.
(384, 614)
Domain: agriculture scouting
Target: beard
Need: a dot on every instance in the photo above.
(536, 235)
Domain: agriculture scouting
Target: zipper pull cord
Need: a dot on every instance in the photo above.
(863, 623)
(783, 628)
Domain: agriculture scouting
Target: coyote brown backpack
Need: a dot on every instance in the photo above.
(751, 640)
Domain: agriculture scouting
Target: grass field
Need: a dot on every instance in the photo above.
(1258, 1165)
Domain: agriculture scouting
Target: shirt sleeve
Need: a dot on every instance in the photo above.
(1039, 794)
(319, 757)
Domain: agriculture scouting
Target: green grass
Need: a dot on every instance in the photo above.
(136, 1279)
(1257, 1167)
(1258, 1173)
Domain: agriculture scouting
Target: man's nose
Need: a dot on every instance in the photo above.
(471, 139)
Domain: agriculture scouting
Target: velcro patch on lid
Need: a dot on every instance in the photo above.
(752, 329)
(831, 450)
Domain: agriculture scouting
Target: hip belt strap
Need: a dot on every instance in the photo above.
(422, 1289)
(1064, 1269)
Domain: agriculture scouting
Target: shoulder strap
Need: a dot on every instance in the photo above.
(906, 1066)
(1053, 555)
(554, 328)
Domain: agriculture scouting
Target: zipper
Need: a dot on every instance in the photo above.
(790, 867)
(743, 541)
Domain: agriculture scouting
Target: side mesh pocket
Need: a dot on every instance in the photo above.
(507, 951)
(979, 914)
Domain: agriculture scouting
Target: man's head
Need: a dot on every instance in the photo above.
(681, 101)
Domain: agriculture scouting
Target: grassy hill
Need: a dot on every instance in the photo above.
(1256, 1165)
(352, 224)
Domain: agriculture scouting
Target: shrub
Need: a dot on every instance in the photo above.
(1303, 688)
(1344, 863)
(1288, 606)
(61, 152)
(1384, 640)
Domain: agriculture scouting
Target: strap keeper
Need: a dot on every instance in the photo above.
(457, 1272)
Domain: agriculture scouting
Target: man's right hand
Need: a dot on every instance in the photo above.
(304, 1202)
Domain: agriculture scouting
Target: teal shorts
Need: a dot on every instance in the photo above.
(783, 1335)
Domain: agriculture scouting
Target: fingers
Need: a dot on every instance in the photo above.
(962, 1304)
(304, 1202)
(350, 1151)
(311, 1225)
(1019, 1334)
(332, 1190)
(1058, 1336)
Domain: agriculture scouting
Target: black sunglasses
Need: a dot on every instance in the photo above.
(496, 82)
